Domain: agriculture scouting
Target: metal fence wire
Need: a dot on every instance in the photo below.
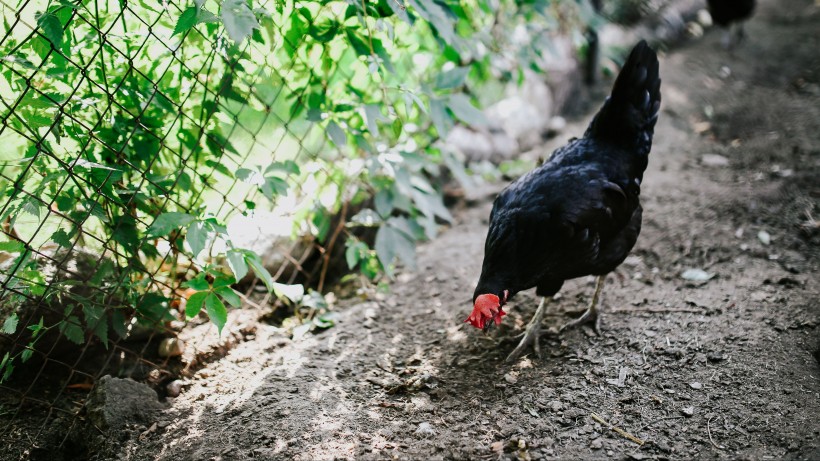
(123, 125)
(161, 162)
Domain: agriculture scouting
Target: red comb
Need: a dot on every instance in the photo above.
(487, 307)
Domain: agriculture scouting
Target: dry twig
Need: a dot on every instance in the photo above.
(617, 429)
(709, 431)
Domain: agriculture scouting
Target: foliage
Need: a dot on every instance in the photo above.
(136, 132)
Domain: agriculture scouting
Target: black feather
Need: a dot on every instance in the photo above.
(725, 12)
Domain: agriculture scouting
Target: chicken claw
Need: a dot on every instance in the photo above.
(532, 334)
(591, 315)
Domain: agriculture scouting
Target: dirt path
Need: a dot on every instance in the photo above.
(721, 369)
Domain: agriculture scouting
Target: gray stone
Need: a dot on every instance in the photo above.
(115, 402)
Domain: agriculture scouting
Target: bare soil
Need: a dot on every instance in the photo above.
(720, 369)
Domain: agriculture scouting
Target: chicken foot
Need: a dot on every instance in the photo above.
(591, 314)
(532, 334)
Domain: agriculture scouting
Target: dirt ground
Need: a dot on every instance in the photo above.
(725, 368)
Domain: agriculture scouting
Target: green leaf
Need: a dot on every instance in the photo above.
(431, 205)
(96, 322)
(373, 114)
(327, 320)
(390, 243)
(10, 325)
(186, 20)
(355, 252)
(26, 354)
(166, 222)
(352, 256)
(321, 220)
(357, 43)
(452, 78)
(384, 202)
(292, 292)
(8, 372)
(274, 186)
(252, 259)
(288, 166)
(216, 311)
(409, 99)
(229, 295)
(61, 238)
(194, 304)
(51, 28)
(464, 110)
(71, 329)
(236, 261)
(250, 176)
(295, 34)
(336, 134)
(197, 236)
(12, 247)
(205, 16)
(223, 280)
(441, 118)
(198, 283)
(238, 19)
(366, 217)
(119, 324)
(36, 328)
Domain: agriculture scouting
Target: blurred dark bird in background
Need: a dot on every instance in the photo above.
(577, 214)
(725, 13)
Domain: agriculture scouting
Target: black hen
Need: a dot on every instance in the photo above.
(726, 12)
(579, 213)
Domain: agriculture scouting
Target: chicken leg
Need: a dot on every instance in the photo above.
(532, 334)
(591, 314)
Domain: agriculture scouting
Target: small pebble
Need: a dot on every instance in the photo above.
(171, 347)
(688, 411)
(597, 444)
(174, 388)
(425, 429)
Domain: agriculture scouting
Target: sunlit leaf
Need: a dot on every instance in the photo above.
(292, 292)
(336, 134)
(229, 295)
(464, 110)
(238, 19)
(198, 283)
(441, 118)
(166, 222)
(452, 78)
(392, 243)
(10, 324)
(259, 269)
(60, 237)
(216, 311)
(236, 261)
(52, 29)
(194, 303)
(12, 246)
(197, 236)
(186, 20)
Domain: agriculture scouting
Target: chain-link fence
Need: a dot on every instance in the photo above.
(161, 162)
(141, 157)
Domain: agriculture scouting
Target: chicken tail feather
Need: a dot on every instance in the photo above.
(628, 116)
